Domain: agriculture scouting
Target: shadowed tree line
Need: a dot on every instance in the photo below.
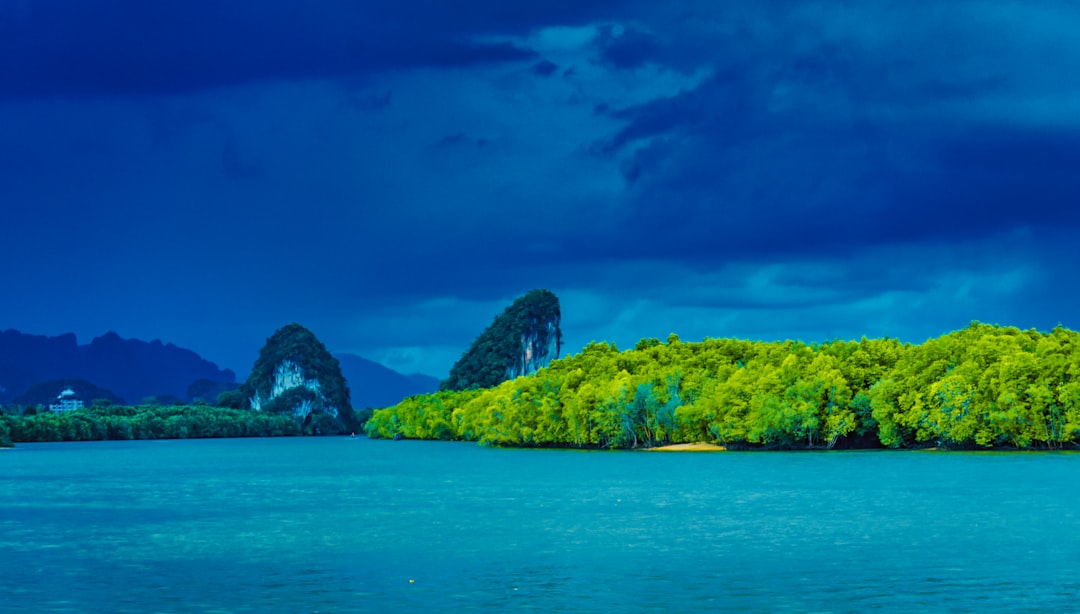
(983, 386)
(119, 422)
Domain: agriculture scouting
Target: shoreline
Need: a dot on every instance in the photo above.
(699, 446)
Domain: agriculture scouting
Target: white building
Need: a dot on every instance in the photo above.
(66, 401)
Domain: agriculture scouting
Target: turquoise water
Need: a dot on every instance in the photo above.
(344, 525)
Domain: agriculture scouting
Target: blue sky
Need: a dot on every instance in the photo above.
(393, 174)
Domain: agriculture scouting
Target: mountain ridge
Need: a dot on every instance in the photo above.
(375, 385)
(131, 368)
(28, 360)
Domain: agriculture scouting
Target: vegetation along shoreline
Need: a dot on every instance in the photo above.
(981, 387)
(984, 387)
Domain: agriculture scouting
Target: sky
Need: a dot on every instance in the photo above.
(392, 174)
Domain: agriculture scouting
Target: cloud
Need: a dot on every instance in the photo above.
(750, 169)
(912, 293)
(368, 101)
(627, 48)
(236, 167)
(460, 139)
(125, 48)
(823, 131)
(545, 68)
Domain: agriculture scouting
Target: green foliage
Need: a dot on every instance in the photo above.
(5, 431)
(518, 342)
(983, 386)
(119, 422)
(323, 390)
(231, 398)
(358, 418)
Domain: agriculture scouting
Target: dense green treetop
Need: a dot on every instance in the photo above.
(983, 386)
(5, 433)
(521, 340)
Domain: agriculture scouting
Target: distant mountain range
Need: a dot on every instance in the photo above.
(373, 385)
(130, 370)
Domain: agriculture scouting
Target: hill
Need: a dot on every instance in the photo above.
(130, 368)
(521, 340)
(295, 375)
(373, 385)
(44, 393)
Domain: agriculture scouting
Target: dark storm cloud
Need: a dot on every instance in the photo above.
(128, 47)
(681, 114)
(820, 189)
(392, 174)
(1006, 176)
(627, 48)
(545, 68)
(460, 139)
(236, 167)
(368, 101)
(821, 141)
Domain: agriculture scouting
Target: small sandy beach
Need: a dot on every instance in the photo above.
(689, 447)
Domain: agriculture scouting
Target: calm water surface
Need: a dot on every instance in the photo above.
(344, 525)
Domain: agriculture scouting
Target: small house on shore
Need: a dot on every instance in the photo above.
(66, 401)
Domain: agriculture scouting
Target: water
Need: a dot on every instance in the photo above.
(346, 525)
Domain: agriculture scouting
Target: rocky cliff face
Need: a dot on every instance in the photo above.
(539, 343)
(295, 375)
(289, 378)
(523, 339)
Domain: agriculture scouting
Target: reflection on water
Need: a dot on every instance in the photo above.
(342, 525)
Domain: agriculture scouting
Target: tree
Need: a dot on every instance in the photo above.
(980, 386)
(5, 432)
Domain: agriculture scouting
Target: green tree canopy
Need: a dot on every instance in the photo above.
(982, 386)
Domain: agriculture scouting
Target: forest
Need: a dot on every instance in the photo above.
(984, 386)
(119, 422)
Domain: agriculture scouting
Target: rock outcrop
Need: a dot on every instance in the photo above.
(296, 375)
(523, 339)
